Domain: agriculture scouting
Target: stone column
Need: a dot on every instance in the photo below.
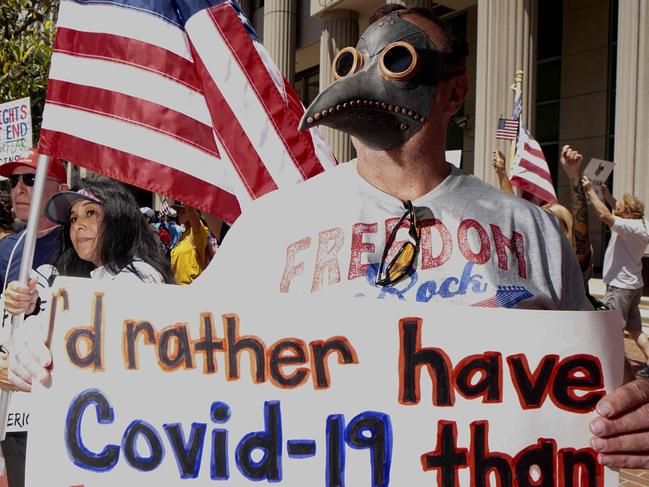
(413, 3)
(505, 45)
(340, 29)
(632, 100)
(280, 34)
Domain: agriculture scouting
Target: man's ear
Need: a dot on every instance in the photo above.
(457, 91)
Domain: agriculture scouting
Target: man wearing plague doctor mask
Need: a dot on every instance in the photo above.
(399, 222)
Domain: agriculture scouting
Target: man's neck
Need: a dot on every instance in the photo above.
(45, 226)
(404, 176)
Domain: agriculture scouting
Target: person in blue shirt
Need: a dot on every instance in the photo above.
(21, 174)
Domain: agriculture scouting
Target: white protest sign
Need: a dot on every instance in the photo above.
(177, 388)
(454, 157)
(15, 129)
(598, 172)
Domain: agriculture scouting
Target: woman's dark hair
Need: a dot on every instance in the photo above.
(124, 236)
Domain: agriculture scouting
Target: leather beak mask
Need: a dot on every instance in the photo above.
(385, 86)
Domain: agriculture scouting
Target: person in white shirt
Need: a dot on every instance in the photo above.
(622, 272)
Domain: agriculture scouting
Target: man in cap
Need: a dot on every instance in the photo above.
(148, 214)
(401, 222)
(21, 174)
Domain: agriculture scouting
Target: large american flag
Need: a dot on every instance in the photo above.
(529, 170)
(177, 97)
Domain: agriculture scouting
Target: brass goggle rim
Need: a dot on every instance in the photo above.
(406, 74)
(357, 64)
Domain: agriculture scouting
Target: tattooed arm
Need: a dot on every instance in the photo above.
(571, 162)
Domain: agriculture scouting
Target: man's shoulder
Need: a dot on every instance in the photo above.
(319, 190)
(499, 200)
(11, 240)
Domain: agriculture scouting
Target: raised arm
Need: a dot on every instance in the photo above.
(498, 163)
(602, 211)
(608, 197)
(571, 163)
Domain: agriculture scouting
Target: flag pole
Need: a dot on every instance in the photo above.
(35, 211)
(518, 93)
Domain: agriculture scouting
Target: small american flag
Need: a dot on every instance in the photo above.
(164, 207)
(529, 170)
(178, 97)
(507, 129)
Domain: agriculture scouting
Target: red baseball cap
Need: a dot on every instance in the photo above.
(29, 159)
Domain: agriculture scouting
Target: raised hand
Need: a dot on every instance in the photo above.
(571, 162)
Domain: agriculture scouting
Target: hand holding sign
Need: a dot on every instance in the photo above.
(621, 436)
(29, 358)
(598, 171)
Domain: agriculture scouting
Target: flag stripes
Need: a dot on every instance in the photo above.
(135, 110)
(274, 97)
(176, 87)
(530, 190)
(139, 171)
(130, 80)
(128, 51)
(234, 138)
(140, 141)
(131, 23)
(529, 171)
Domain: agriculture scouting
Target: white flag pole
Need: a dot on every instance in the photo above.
(35, 211)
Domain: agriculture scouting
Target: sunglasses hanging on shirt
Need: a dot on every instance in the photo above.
(402, 263)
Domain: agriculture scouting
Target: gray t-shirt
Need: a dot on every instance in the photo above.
(479, 246)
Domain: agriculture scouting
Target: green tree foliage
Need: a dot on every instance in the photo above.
(25, 51)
